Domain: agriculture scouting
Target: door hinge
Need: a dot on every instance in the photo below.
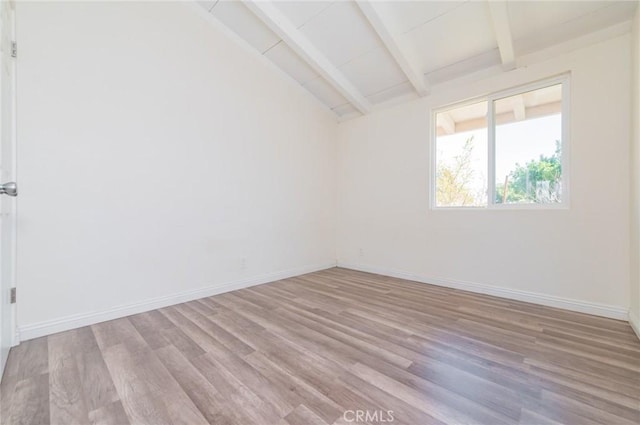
(13, 295)
(14, 49)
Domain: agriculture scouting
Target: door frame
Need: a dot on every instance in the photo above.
(9, 248)
(15, 337)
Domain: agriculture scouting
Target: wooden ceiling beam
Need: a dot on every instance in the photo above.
(408, 66)
(277, 22)
(500, 19)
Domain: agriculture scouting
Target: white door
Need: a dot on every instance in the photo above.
(7, 174)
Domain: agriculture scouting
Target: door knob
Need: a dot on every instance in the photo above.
(10, 189)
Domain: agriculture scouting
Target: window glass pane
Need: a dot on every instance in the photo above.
(461, 156)
(528, 153)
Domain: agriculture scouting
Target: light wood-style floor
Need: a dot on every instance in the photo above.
(307, 349)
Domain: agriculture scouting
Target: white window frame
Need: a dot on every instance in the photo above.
(565, 81)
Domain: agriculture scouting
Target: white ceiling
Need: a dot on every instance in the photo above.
(336, 51)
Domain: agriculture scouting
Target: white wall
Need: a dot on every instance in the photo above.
(581, 254)
(157, 159)
(155, 156)
(634, 313)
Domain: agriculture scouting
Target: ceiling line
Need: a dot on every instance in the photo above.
(271, 47)
(277, 22)
(329, 4)
(389, 88)
(214, 5)
(592, 12)
(415, 27)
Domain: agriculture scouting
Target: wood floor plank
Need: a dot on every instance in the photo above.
(590, 408)
(119, 331)
(238, 394)
(30, 401)
(510, 376)
(245, 374)
(444, 412)
(195, 332)
(34, 357)
(404, 413)
(298, 389)
(585, 378)
(12, 368)
(187, 346)
(135, 392)
(164, 387)
(506, 401)
(305, 350)
(303, 416)
(529, 417)
(213, 405)
(208, 325)
(67, 403)
(554, 381)
(122, 369)
(151, 333)
(359, 347)
(97, 385)
(146, 409)
(110, 414)
(202, 308)
(7, 388)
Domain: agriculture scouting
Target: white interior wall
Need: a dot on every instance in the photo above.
(576, 258)
(235, 183)
(159, 162)
(634, 312)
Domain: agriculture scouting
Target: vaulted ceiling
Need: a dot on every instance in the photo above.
(355, 56)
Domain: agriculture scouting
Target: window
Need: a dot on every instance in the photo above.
(506, 150)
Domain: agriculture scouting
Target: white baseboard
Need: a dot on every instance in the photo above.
(79, 320)
(595, 309)
(634, 321)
